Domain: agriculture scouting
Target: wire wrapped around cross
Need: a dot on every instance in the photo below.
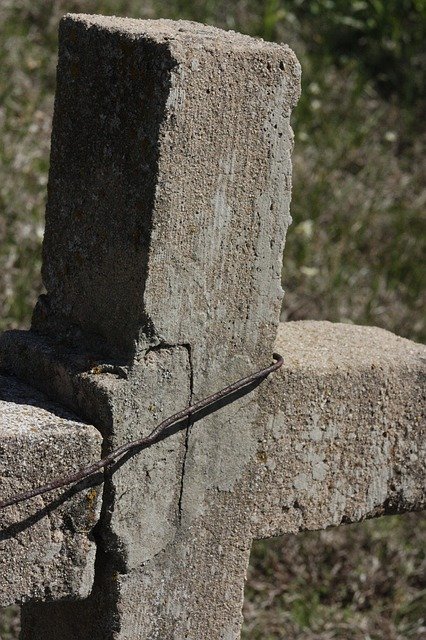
(146, 441)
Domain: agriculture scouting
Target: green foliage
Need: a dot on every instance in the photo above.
(351, 582)
(385, 39)
(9, 623)
(356, 249)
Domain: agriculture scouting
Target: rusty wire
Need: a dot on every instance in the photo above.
(146, 441)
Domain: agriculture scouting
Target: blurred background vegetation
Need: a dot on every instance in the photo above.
(355, 252)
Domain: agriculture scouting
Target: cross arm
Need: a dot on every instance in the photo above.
(347, 436)
(46, 548)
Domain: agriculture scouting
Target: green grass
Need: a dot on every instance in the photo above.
(355, 252)
(9, 623)
(352, 583)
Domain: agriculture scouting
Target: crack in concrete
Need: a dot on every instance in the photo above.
(109, 550)
(187, 430)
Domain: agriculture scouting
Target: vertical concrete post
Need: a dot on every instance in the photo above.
(168, 204)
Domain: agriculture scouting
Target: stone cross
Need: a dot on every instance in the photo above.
(168, 204)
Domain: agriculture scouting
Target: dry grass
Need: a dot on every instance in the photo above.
(355, 582)
(355, 253)
(356, 250)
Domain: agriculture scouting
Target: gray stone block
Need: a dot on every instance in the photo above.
(170, 173)
(349, 404)
(342, 439)
(345, 441)
(168, 204)
(46, 545)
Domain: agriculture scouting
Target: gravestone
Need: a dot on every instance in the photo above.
(168, 204)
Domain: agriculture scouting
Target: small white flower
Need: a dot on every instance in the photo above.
(390, 136)
(305, 228)
(309, 272)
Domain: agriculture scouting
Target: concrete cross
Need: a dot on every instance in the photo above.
(168, 204)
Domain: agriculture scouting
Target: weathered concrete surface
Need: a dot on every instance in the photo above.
(167, 211)
(343, 439)
(170, 173)
(168, 204)
(348, 436)
(141, 502)
(46, 548)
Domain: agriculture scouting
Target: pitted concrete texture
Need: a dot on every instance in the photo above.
(142, 497)
(46, 548)
(167, 210)
(170, 173)
(345, 441)
(168, 204)
(341, 437)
